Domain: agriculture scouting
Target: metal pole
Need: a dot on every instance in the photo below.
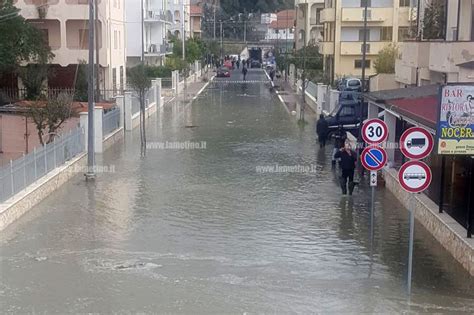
(142, 32)
(36, 167)
(90, 91)
(441, 189)
(24, 171)
(184, 34)
(245, 31)
(304, 67)
(222, 47)
(97, 86)
(286, 47)
(469, 201)
(410, 243)
(214, 21)
(11, 178)
(372, 214)
(364, 54)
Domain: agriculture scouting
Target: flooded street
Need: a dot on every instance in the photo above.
(204, 230)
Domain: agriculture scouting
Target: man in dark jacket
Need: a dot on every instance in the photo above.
(322, 128)
(340, 137)
(348, 163)
(244, 73)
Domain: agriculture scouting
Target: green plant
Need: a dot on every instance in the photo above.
(385, 61)
(33, 77)
(434, 20)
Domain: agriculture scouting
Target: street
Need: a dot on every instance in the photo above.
(251, 220)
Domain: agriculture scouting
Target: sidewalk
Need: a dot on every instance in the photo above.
(290, 98)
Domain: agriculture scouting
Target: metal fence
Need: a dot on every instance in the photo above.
(110, 121)
(24, 171)
(312, 89)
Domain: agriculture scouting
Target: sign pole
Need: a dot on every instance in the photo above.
(410, 242)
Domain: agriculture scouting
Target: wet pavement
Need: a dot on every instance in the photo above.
(212, 230)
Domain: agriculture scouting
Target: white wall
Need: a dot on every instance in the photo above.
(350, 34)
(133, 20)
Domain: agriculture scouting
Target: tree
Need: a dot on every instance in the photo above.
(434, 20)
(33, 77)
(49, 115)
(141, 84)
(385, 61)
(21, 42)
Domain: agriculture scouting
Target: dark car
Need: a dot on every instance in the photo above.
(347, 114)
(255, 64)
(223, 72)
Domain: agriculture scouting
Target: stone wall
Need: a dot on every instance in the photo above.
(443, 227)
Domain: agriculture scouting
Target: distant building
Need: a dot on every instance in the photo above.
(66, 29)
(446, 60)
(309, 28)
(268, 18)
(281, 31)
(387, 22)
(148, 37)
(195, 14)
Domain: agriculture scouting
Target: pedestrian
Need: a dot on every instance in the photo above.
(272, 74)
(238, 64)
(244, 72)
(248, 63)
(348, 163)
(322, 128)
(339, 139)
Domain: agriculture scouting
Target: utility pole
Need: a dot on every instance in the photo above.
(222, 43)
(184, 31)
(214, 21)
(303, 76)
(245, 32)
(286, 46)
(90, 174)
(97, 65)
(364, 50)
(142, 32)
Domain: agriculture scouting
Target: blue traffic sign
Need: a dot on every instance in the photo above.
(374, 158)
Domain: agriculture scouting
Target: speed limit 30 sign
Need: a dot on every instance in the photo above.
(374, 131)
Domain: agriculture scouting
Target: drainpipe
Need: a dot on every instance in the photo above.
(457, 22)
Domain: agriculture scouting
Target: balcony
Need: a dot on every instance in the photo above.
(374, 15)
(327, 15)
(355, 48)
(326, 48)
(156, 17)
(444, 56)
(414, 54)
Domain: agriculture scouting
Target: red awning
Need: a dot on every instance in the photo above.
(422, 109)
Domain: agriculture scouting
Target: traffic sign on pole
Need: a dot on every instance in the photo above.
(414, 176)
(374, 131)
(373, 158)
(416, 143)
(373, 178)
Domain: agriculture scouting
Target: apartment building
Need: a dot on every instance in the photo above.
(388, 21)
(448, 59)
(309, 28)
(65, 26)
(195, 15)
(281, 31)
(149, 27)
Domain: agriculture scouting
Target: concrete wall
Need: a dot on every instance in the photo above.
(444, 228)
(383, 81)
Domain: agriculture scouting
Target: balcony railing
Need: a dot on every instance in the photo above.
(373, 14)
(155, 16)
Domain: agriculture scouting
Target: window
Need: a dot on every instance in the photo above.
(361, 35)
(114, 80)
(405, 3)
(119, 40)
(115, 39)
(358, 64)
(83, 38)
(45, 35)
(121, 78)
(386, 33)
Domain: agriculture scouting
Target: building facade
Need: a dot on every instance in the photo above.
(149, 28)
(448, 59)
(388, 21)
(195, 16)
(309, 28)
(65, 27)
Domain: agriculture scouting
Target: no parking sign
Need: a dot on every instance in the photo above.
(373, 158)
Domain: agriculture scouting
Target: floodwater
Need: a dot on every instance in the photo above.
(203, 231)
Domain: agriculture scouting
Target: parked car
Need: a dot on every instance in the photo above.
(350, 84)
(223, 72)
(348, 114)
(228, 64)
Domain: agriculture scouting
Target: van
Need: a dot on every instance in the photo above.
(348, 114)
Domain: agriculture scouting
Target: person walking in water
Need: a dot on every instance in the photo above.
(244, 72)
(348, 164)
(322, 128)
(339, 139)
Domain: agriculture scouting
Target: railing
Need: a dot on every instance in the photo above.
(24, 171)
(12, 95)
(110, 121)
(312, 89)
